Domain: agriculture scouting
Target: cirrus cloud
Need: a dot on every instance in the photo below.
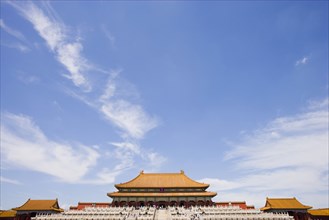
(302, 61)
(68, 51)
(24, 145)
(113, 97)
(286, 158)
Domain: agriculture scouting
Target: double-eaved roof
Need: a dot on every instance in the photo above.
(284, 204)
(162, 180)
(40, 205)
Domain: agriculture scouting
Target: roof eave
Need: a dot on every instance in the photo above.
(134, 194)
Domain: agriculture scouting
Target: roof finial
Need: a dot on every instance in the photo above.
(182, 171)
(142, 171)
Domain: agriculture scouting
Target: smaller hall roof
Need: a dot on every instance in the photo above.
(40, 205)
(241, 204)
(284, 204)
(7, 214)
(83, 205)
(162, 180)
(319, 212)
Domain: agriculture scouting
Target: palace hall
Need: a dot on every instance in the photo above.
(165, 196)
(162, 189)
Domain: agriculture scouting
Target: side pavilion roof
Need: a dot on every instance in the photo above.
(40, 205)
(162, 180)
(284, 204)
(319, 212)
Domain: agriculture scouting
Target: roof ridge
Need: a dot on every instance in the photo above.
(43, 200)
(162, 173)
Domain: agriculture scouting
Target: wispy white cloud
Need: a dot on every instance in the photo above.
(318, 104)
(289, 157)
(104, 176)
(18, 46)
(127, 151)
(22, 47)
(69, 55)
(67, 50)
(131, 119)
(302, 61)
(116, 87)
(10, 181)
(20, 136)
(108, 35)
(114, 98)
(27, 78)
(155, 160)
(128, 117)
(221, 185)
(134, 123)
(127, 146)
(110, 89)
(11, 31)
(67, 162)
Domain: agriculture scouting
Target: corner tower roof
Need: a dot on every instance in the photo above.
(162, 180)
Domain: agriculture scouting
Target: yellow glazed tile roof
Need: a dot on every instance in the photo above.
(160, 194)
(7, 213)
(162, 180)
(283, 203)
(319, 212)
(40, 205)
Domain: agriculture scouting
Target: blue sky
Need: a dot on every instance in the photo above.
(233, 93)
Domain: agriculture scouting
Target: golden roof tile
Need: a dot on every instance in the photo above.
(162, 180)
(283, 203)
(7, 213)
(40, 205)
(319, 212)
